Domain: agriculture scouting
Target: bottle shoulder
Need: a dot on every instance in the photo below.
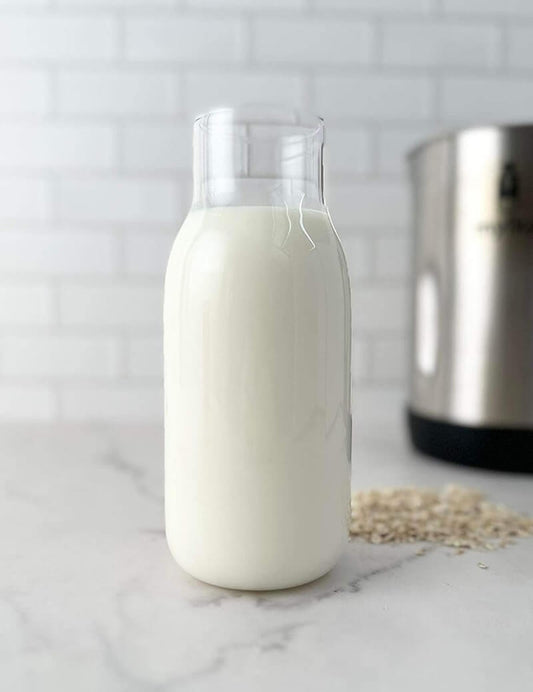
(255, 234)
(255, 222)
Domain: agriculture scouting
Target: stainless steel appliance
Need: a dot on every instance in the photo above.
(471, 381)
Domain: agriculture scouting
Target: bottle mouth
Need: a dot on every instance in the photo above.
(252, 122)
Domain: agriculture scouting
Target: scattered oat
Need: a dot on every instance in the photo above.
(482, 565)
(455, 516)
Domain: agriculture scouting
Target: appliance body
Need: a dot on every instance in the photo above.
(471, 369)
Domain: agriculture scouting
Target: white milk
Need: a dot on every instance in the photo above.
(257, 397)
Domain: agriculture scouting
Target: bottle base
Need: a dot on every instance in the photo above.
(254, 584)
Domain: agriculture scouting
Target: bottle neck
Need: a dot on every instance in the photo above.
(249, 159)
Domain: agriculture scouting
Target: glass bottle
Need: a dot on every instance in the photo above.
(257, 359)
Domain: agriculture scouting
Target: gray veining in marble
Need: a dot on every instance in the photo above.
(91, 601)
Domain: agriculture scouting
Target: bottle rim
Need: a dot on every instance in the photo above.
(268, 122)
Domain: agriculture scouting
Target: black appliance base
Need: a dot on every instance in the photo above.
(502, 449)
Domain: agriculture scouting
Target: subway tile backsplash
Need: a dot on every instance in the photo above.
(96, 108)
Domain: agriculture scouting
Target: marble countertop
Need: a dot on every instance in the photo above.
(91, 601)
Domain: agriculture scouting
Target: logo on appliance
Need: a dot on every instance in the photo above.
(508, 184)
(508, 193)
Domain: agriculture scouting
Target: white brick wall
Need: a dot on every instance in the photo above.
(148, 254)
(369, 204)
(249, 4)
(373, 96)
(487, 7)
(57, 37)
(348, 151)
(184, 39)
(161, 147)
(487, 99)
(389, 359)
(119, 403)
(30, 403)
(394, 143)
(235, 87)
(58, 356)
(520, 42)
(448, 44)
(381, 309)
(24, 198)
(392, 256)
(24, 91)
(58, 145)
(111, 305)
(395, 6)
(117, 200)
(145, 356)
(57, 253)
(112, 92)
(337, 41)
(26, 303)
(96, 105)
